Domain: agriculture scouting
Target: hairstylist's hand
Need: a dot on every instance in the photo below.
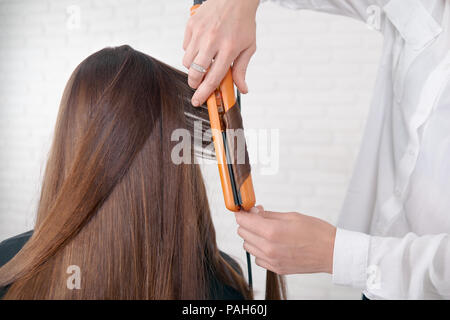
(287, 243)
(223, 30)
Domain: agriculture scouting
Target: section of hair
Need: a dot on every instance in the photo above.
(275, 286)
(112, 202)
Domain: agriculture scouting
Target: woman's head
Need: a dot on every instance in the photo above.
(113, 203)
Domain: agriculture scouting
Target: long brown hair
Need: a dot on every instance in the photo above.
(113, 203)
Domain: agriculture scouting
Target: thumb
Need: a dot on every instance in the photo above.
(257, 209)
(276, 215)
(239, 68)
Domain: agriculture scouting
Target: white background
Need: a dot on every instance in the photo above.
(311, 79)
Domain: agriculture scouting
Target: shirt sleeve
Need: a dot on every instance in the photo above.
(350, 258)
(393, 268)
(359, 9)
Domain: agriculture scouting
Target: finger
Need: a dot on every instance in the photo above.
(213, 78)
(203, 59)
(256, 224)
(256, 209)
(254, 251)
(240, 66)
(253, 239)
(191, 53)
(264, 264)
(276, 215)
(270, 214)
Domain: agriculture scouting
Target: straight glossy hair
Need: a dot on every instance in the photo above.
(113, 203)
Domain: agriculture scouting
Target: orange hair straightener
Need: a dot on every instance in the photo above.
(231, 151)
(232, 157)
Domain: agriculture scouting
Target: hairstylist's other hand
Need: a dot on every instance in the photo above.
(287, 243)
(223, 30)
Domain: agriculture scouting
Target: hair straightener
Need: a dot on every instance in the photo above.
(230, 146)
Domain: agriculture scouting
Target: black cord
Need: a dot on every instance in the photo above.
(249, 261)
(249, 269)
(238, 98)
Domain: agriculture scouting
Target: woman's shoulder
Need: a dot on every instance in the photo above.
(231, 262)
(221, 291)
(10, 246)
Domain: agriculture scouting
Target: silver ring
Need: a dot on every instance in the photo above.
(198, 68)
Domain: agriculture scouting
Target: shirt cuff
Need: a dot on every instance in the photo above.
(351, 250)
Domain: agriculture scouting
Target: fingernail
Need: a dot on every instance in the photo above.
(195, 102)
(254, 210)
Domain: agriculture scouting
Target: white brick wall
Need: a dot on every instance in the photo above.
(311, 78)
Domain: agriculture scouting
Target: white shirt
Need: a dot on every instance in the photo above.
(393, 237)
